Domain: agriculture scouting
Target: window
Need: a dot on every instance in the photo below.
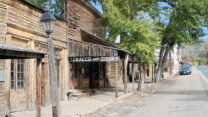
(102, 69)
(17, 74)
(57, 70)
(86, 69)
(73, 70)
(20, 74)
(12, 75)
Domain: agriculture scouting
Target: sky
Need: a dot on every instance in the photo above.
(99, 8)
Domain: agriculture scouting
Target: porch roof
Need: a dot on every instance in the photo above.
(102, 41)
(15, 52)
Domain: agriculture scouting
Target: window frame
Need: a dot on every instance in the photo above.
(17, 74)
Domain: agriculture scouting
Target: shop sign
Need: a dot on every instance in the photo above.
(94, 59)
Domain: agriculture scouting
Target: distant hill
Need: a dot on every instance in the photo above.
(195, 51)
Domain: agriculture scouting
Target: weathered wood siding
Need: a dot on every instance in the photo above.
(2, 99)
(3, 26)
(20, 26)
(81, 15)
(24, 18)
(2, 90)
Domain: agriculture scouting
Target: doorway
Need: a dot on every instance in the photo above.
(17, 85)
(94, 79)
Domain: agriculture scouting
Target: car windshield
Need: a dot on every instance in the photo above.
(187, 65)
(185, 68)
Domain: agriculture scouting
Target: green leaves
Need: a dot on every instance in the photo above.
(187, 22)
(42, 4)
(137, 33)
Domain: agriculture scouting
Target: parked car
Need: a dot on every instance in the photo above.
(185, 70)
(187, 65)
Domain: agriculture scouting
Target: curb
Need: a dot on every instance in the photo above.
(123, 97)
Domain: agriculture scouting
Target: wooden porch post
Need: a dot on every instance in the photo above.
(38, 87)
(125, 72)
(116, 75)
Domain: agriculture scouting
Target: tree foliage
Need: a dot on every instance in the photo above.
(42, 4)
(136, 29)
(185, 22)
(57, 7)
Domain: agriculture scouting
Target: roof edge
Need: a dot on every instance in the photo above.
(39, 9)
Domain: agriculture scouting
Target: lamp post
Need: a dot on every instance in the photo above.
(48, 22)
(133, 61)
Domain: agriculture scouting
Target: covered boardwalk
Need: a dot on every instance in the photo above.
(14, 52)
(96, 63)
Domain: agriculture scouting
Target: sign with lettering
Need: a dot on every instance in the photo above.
(2, 76)
(94, 59)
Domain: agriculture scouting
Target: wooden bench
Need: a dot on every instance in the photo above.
(71, 94)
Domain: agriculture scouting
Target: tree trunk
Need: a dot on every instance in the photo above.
(164, 61)
(141, 81)
(131, 3)
(158, 71)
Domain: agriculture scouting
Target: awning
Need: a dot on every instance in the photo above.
(97, 40)
(15, 52)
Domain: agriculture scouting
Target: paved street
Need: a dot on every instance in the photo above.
(183, 96)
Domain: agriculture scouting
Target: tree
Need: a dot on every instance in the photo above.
(184, 27)
(138, 33)
(42, 4)
(57, 7)
(180, 23)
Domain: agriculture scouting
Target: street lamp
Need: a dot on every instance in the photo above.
(48, 22)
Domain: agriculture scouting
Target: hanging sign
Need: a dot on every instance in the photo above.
(94, 59)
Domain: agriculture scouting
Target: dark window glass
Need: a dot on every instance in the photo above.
(86, 69)
(74, 70)
(102, 68)
(12, 75)
(20, 74)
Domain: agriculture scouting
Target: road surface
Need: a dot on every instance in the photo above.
(183, 96)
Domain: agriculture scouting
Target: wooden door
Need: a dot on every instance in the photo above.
(45, 85)
(17, 86)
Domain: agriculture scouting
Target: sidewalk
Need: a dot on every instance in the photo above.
(102, 98)
(78, 108)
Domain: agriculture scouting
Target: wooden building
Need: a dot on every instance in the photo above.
(20, 27)
(84, 59)
(92, 58)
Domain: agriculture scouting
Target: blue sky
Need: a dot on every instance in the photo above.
(162, 4)
(98, 7)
